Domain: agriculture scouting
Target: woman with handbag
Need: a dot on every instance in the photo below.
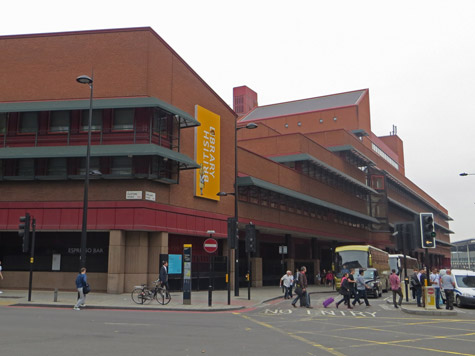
(345, 291)
(81, 285)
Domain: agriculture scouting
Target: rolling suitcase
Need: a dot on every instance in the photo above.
(327, 302)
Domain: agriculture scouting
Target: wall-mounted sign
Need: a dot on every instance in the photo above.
(133, 195)
(208, 147)
(150, 196)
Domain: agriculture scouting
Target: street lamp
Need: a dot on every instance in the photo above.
(84, 79)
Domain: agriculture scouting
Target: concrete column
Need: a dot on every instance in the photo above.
(136, 259)
(116, 264)
(256, 271)
(157, 245)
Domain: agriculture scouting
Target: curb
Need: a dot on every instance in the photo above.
(98, 307)
(429, 312)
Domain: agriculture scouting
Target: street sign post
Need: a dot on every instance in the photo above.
(211, 246)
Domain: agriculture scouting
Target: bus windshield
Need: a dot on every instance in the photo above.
(351, 259)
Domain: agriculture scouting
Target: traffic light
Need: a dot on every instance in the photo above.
(24, 231)
(251, 238)
(233, 233)
(427, 230)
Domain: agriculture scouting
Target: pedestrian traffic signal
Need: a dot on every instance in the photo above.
(427, 230)
(24, 231)
(233, 233)
(250, 238)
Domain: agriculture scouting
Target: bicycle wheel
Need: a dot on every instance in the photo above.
(138, 295)
(163, 296)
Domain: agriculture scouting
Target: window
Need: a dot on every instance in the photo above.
(28, 122)
(94, 165)
(123, 119)
(26, 167)
(59, 121)
(121, 166)
(96, 122)
(3, 122)
(57, 166)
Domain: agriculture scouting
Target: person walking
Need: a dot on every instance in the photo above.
(302, 285)
(287, 280)
(448, 284)
(352, 281)
(81, 282)
(361, 290)
(416, 286)
(396, 288)
(1, 275)
(423, 279)
(163, 275)
(435, 282)
(345, 291)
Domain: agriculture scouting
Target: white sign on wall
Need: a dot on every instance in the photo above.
(150, 196)
(134, 195)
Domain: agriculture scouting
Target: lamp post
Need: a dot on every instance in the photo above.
(84, 79)
(249, 126)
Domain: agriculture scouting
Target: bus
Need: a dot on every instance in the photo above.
(362, 257)
(396, 262)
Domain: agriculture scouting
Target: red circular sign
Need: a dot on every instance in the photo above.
(430, 291)
(210, 245)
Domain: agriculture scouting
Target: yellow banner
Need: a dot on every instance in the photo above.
(208, 143)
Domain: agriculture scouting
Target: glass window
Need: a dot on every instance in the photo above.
(121, 165)
(28, 122)
(57, 166)
(3, 122)
(59, 121)
(26, 167)
(96, 122)
(93, 165)
(123, 119)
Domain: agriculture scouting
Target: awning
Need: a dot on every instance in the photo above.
(327, 167)
(186, 120)
(412, 211)
(354, 152)
(443, 243)
(98, 151)
(251, 181)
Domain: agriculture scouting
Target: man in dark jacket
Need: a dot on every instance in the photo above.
(302, 283)
(416, 286)
(163, 276)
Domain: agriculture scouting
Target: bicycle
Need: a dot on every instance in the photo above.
(144, 295)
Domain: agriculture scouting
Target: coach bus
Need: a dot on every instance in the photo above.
(363, 257)
(396, 262)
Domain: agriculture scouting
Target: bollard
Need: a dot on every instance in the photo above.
(210, 295)
(55, 298)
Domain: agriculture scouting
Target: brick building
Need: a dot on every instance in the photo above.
(312, 176)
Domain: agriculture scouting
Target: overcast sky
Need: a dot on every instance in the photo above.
(417, 58)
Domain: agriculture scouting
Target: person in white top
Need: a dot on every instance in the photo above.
(435, 281)
(287, 280)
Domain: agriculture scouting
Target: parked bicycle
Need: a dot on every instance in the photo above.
(144, 295)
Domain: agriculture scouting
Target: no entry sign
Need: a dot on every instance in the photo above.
(210, 245)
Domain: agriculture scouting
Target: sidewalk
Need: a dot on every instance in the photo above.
(411, 307)
(199, 299)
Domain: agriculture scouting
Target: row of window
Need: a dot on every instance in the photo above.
(270, 199)
(61, 121)
(62, 168)
(324, 176)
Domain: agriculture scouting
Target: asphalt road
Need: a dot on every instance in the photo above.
(273, 329)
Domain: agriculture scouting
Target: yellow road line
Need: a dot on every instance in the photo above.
(299, 338)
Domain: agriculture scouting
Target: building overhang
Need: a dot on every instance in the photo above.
(327, 167)
(251, 181)
(186, 120)
(129, 150)
(349, 149)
